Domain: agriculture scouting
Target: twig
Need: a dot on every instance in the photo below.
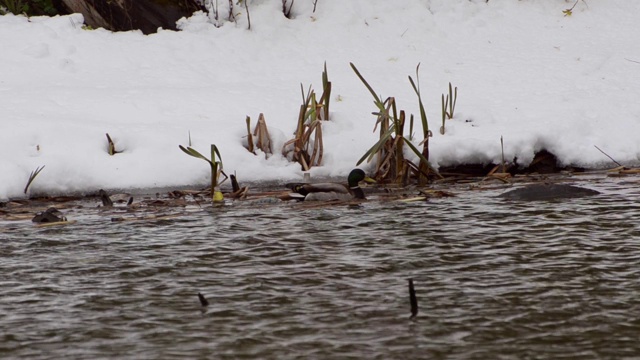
(287, 13)
(633, 61)
(231, 16)
(413, 300)
(246, 6)
(315, 2)
(612, 159)
(502, 149)
(203, 300)
(209, 5)
(111, 148)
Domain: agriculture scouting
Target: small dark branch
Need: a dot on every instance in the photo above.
(106, 200)
(612, 159)
(574, 5)
(246, 7)
(504, 169)
(315, 2)
(413, 300)
(203, 300)
(212, 7)
(231, 16)
(234, 183)
(285, 11)
(633, 61)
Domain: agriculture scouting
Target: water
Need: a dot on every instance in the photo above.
(494, 280)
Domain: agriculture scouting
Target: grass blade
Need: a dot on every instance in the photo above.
(32, 177)
(366, 84)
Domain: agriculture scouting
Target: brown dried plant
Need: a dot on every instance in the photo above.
(391, 165)
(261, 133)
(307, 147)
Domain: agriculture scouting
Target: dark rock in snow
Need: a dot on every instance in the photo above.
(124, 15)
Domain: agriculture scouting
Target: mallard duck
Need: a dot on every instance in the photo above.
(333, 191)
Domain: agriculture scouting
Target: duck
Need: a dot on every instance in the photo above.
(332, 191)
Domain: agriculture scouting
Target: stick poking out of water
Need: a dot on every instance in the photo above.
(413, 300)
(203, 301)
(607, 155)
(106, 200)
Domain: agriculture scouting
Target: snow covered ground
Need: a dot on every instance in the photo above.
(523, 69)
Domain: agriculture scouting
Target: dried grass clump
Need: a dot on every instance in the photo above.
(391, 165)
(448, 105)
(306, 147)
(261, 135)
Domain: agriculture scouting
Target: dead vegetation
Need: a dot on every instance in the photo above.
(391, 166)
(306, 147)
(259, 138)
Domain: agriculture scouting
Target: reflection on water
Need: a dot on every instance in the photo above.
(495, 280)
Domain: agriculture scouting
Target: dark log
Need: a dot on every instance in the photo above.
(124, 15)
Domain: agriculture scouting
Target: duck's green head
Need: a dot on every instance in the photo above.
(357, 175)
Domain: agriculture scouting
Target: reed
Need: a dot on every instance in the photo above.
(391, 165)
(111, 148)
(413, 300)
(449, 103)
(306, 147)
(32, 177)
(424, 168)
(260, 137)
(15, 7)
(215, 162)
(250, 145)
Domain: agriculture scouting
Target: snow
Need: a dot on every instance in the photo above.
(524, 71)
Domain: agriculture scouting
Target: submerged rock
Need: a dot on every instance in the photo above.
(51, 215)
(537, 192)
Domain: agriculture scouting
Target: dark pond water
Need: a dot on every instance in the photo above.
(494, 280)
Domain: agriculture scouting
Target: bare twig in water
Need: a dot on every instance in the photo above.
(607, 155)
(234, 183)
(413, 300)
(504, 169)
(104, 197)
(203, 300)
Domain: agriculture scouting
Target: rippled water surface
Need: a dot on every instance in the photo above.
(494, 280)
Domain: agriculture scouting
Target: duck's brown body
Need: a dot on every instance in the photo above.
(332, 191)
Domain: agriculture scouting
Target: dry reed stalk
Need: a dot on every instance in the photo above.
(111, 147)
(250, 137)
(309, 124)
(264, 139)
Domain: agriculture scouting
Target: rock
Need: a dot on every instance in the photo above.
(124, 15)
(51, 215)
(541, 192)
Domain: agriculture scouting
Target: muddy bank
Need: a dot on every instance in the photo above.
(163, 204)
